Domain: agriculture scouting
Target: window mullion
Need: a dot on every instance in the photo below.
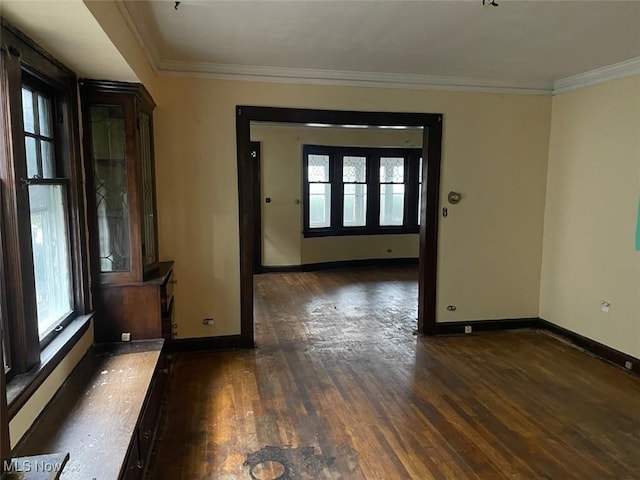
(337, 190)
(373, 198)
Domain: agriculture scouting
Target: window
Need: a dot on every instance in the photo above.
(47, 207)
(357, 190)
(354, 178)
(319, 191)
(45, 267)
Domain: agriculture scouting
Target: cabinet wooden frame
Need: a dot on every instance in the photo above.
(134, 100)
(22, 60)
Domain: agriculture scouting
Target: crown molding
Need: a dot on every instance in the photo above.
(141, 35)
(344, 78)
(598, 75)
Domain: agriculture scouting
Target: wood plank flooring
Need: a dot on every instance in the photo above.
(340, 388)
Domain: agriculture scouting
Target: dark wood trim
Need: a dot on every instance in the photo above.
(598, 349)
(226, 342)
(429, 214)
(23, 386)
(137, 90)
(431, 153)
(450, 328)
(24, 341)
(256, 175)
(5, 445)
(36, 60)
(312, 267)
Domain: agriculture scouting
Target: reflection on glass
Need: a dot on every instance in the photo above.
(110, 178)
(148, 224)
(51, 263)
(28, 116)
(44, 116)
(32, 157)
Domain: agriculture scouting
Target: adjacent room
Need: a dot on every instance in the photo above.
(320, 239)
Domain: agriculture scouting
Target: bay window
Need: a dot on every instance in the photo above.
(360, 190)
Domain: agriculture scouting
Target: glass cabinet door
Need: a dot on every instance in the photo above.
(111, 188)
(149, 253)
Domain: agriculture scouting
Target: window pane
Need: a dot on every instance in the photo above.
(391, 204)
(32, 157)
(47, 159)
(355, 205)
(110, 177)
(354, 169)
(51, 264)
(27, 111)
(392, 170)
(44, 116)
(319, 205)
(318, 168)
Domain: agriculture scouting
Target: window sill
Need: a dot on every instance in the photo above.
(360, 231)
(21, 387)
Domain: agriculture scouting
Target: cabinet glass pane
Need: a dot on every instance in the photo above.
(110, 178)
(148, 223)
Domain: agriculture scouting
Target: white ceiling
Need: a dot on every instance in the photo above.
(526, 44)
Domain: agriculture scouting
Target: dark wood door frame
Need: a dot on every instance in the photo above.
(257, 205)
(431, 153)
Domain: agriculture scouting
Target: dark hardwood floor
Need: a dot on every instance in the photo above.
(340, 388)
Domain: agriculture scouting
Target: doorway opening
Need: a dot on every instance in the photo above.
(250, 197)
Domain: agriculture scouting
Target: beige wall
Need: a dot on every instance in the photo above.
(281, 178)
(36, 403)
(494, 152)
(591, 212)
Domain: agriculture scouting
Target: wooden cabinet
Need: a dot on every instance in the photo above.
(142, 309)
(129, 283)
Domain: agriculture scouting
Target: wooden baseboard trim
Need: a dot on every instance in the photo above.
(280, 269)
(227, 342)
(311, 267)
(598, 349)
(449, 328)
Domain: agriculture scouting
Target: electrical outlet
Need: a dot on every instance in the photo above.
(467, 329)
(125, 336)
(207, 321)
(451, 308)
(628, 365)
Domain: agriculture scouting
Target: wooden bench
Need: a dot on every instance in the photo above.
(106, 413)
